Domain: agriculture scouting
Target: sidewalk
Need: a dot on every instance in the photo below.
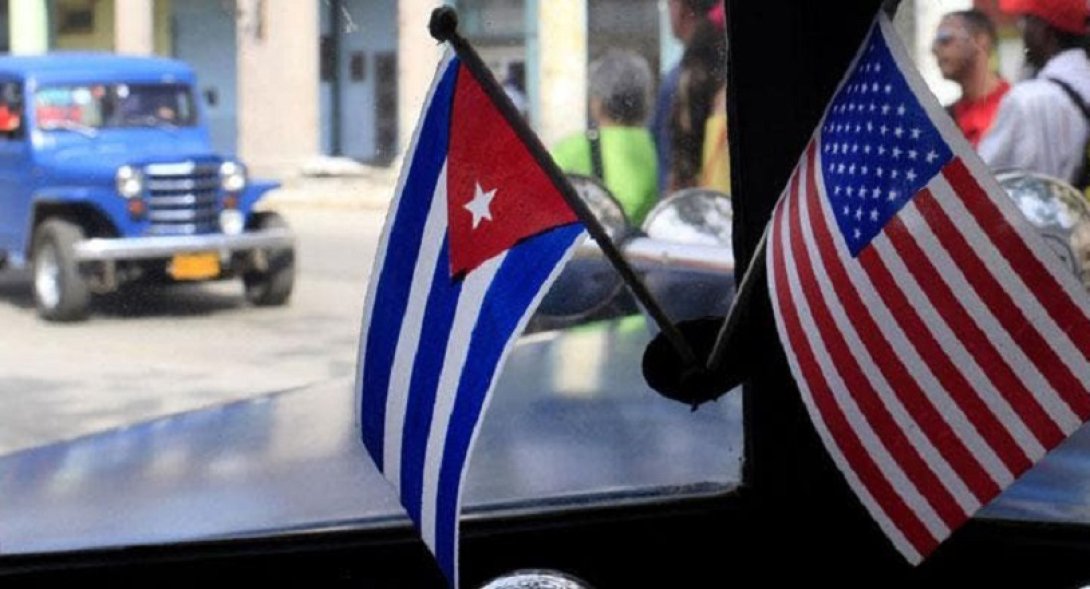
(366, 187)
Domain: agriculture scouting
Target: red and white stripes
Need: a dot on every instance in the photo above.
(940, 363)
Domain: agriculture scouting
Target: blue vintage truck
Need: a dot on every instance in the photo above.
(108, 176)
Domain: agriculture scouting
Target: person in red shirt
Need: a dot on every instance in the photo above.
(9, 119)
(963, 47)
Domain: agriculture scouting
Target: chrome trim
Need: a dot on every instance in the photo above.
(209, 227)
(186, 183)
(182, 200)
(645, 253)
(47, 277)
(180, 215)
(177, 169)
(142, 248)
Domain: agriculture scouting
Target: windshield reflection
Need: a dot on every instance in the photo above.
(121, 105)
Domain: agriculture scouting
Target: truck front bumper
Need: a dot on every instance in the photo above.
(146, 248)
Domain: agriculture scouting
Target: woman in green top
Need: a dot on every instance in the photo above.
(620, 90)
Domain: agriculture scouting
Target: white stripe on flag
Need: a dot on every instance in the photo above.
(953, 347)
(905, 422)
(1025, 370)
(1022, 296)
(387, 230)
(476, 285)
(1036, 245)
(885, 462)
(948, 409)
(408, 341)
(885, 522)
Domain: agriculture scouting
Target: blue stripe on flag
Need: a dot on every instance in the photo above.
(435, 333)
(518, 281)
(395, 282)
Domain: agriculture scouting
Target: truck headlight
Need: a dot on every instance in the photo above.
(232, 176)
(130, 182)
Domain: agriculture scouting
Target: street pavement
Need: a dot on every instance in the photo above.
(370, 189)
(155, 351)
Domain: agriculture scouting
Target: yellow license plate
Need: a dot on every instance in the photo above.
(195, 266)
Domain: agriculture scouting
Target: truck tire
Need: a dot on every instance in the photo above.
(60, 293)
(272, 286)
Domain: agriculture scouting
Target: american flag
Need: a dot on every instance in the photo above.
(939, 345)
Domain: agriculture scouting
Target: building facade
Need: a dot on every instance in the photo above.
(281, 82)
(284, 82)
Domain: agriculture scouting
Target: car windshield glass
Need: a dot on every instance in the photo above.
(185, 265)
(114, 105)
(184, 309)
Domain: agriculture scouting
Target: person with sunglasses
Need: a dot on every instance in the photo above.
(963, 48)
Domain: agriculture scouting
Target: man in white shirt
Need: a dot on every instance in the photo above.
(1041, 125)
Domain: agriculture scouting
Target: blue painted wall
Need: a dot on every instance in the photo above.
(325, 92)
(204, 36)
(367, 28)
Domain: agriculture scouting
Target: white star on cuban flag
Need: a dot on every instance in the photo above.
(479, 205)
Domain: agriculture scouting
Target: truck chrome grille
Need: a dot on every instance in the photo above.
(182, 198)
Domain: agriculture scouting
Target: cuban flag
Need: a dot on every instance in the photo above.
(939, 344)
(475, 234)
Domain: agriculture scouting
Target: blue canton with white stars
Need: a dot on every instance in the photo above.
(878, 146)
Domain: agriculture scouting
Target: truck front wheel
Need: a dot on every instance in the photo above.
(60, 293)
(272, 285)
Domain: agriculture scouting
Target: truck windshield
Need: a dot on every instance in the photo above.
(95, 106)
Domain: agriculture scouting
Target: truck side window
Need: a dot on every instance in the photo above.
(11, 111)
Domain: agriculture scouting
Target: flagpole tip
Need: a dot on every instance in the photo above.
(444, 23)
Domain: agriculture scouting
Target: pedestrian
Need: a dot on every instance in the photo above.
(685, 16)
(618, 148)
(11, 120)
(963, 47)
(715, 161)
(1041, 125)
(702, 79)
(514, 85)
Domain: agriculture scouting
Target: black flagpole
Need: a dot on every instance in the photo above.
(732, 325)
(444, 27)
(754, 277)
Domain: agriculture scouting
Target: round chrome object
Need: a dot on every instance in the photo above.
(47, 277)
(602, 204)
(694, 216)
(537, 579)
(232, 222)
(130, 182)
(588, 283)
(1059, 212)
(232, 176)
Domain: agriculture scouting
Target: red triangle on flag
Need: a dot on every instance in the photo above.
(497, 193)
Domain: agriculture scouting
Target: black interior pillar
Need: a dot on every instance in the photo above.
(786, 59)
